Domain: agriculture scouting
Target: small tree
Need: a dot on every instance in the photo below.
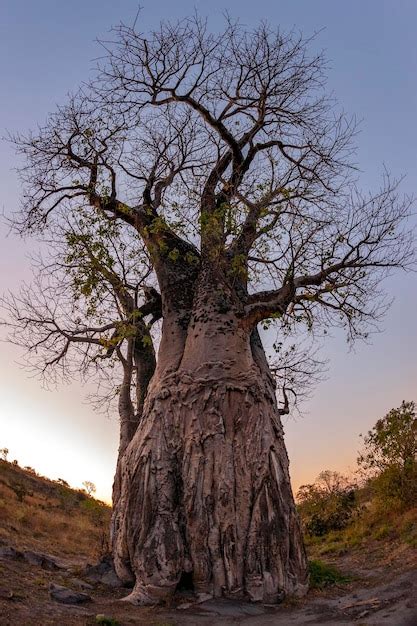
(89, 487)
(3, 453)
(390, 455)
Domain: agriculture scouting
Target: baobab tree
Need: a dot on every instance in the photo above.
(222, 153)
(89, 314)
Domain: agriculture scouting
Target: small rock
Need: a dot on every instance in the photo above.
(41, 560)
(203, 597)
(7, 552)
(6, 595)
(67, 596)
(103, 573)
(81, 584)
(111, 580)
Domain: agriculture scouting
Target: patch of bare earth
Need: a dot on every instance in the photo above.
(386, 596)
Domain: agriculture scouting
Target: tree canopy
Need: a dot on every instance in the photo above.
(222, 147)
(392, 442)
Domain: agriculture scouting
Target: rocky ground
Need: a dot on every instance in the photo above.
(38, 589)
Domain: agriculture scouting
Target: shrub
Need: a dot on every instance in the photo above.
(106, 621)
(322, 575)
(20, 491)
(62, 482)
(67, 497)
(96, 510)
(328, 504)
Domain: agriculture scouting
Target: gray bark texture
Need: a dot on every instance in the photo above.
(203, 486)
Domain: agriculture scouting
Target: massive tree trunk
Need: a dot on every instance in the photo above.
(204, 483)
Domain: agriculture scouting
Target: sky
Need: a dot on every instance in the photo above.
(47, 48)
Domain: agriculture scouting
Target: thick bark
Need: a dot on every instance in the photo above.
(139, 364)
(204, 484)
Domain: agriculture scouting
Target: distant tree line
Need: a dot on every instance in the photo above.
(386, 475)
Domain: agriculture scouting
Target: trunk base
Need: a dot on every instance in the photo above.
(204, 489)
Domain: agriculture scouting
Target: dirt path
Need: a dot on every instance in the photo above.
(25, 601)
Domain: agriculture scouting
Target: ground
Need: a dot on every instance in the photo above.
(378, 582)
(382, 596)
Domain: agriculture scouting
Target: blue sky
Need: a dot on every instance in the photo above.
(47, 48)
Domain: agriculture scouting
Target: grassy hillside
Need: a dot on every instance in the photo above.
(40, 514)
(395, 527)
(376, 536)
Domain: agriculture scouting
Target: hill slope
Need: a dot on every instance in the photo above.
(40, 514)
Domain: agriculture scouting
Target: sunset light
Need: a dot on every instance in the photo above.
(208, 297)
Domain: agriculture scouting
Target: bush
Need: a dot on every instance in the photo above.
(20, 491)
(327, 505)
(68, 498)
(96, 510)
(322, 575)
(106, 621)
(62, 482)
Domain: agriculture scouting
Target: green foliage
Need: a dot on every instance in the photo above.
(239, 266)
(323, 575)
(390, 457)
(96, 510)
(396, 487)
(68, 498)
(266, 323)
(192, 259)
(328, 504)
(20, 491)
(174, 254)
(408, 530)
(147, 341)
(106, 621)
(95, 248)
(393, 439)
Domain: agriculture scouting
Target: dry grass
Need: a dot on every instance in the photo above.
(376, 539)
(40, 514)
